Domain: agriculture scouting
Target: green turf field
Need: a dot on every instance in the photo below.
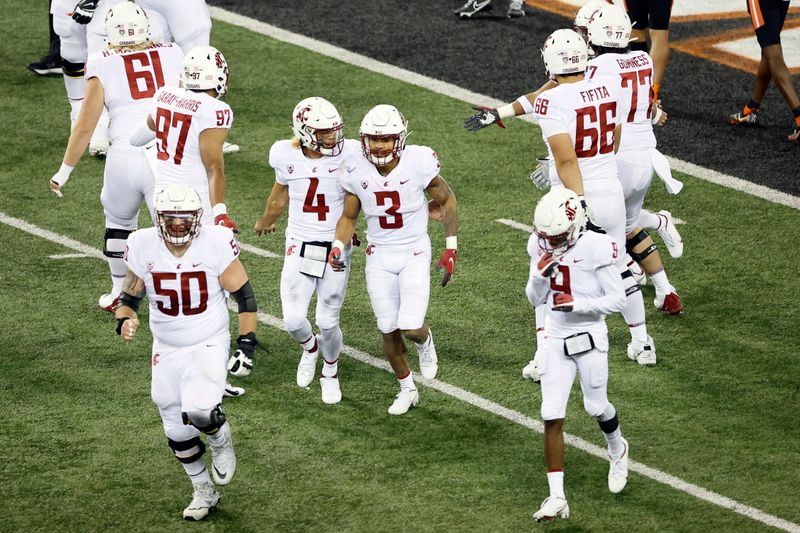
(83, 445)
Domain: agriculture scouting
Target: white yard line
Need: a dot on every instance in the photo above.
(258, 251)
(475, 400)
(68, 256)
(470, 97)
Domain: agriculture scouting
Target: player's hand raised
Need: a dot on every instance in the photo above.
(485, 116)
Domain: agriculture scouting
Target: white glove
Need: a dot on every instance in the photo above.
(240, 364)
(532, 370)
(60, 178)
(540, 177)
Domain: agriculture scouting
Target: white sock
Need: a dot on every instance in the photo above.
(424, 345)
(635, 317)
(615, 446)
(648, 220)
(331, 344)
(660, 281)
(408, 381)
(556, 482)
(197, 471)
(76, 90)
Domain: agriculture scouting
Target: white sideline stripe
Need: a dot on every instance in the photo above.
(477, 401)
(67, 256)
(470, 97)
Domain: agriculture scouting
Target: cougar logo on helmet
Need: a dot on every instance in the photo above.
(559, 220)
(318, 126)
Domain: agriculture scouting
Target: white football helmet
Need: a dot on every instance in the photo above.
(127, 25)
(318, 126)
(383, 121)
(178, 211)
(565, 52)
(559, 220)
(584, 14)
(205, 68)
(609, 27)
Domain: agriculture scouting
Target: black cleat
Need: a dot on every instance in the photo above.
(46, 66)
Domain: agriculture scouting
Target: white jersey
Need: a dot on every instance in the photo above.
(634, 70)
(130, 79)
(187, 303)
(578, 275)
(180, 117)
(316, 197)
(395, 205)
(588, 111)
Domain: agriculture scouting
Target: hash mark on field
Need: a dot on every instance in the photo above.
(258, 251)
(477, 401)
(67, 256)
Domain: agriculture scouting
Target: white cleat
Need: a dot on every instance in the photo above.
(643, 353)
(307, 367)
(669, 234)
(428, 362)
(223, 458)
(552, 507)
(618, 470)
(204, 498)
(331, 393)
(405, 400)
(531, 371)
(232, 391)
(108, 302)
(230, 148)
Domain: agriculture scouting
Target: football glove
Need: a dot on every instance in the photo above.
(591, 226)
(224, 220)
(486, 116)
(241, 362)
(532, 370)
(84, 11)
(547, 265)
(335, 259)
(562, 302)
(448, 261)
(540, 177)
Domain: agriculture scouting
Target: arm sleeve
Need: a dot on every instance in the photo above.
(613, 299)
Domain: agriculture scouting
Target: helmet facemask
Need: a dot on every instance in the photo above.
(179, 227)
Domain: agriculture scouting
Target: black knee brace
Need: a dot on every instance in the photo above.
(209, 424)
(628, 282)
(73, 70)
(634, 241)
(187, 451)
(114, 233)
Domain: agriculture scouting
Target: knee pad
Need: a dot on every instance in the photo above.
(595, 407)
(187, 451)
(208, 422)
(115, 250)
(629, 282)
(73, 70)
(634, 241)
(296, 324)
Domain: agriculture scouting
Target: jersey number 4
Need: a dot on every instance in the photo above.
(181, 302)
(143, 69)
(166, 119)
(320, 207)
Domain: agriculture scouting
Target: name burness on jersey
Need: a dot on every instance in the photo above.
(181, 103)
(598, 93)
(633, 62)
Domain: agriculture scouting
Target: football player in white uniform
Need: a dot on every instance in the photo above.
(388, 181)
(184, 270)
(574, 283)
(122, 79)
(307, 170)
(190, 124)
(637, 158)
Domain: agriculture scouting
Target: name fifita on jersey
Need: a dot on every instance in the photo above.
(179, 102)
(598, 93)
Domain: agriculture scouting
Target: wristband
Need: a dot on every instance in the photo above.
(656, 116)
(63, 174)
(451, 242)
(121, 321)
(338, 244)
(219, 209)
(525, 103)
(507, 111)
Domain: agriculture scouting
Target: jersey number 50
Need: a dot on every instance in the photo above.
(183, 302)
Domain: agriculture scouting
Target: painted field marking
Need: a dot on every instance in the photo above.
(67, 256)
(469, 97)
(476, 401)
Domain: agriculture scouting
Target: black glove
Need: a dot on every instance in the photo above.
(591, 226)
(241, 363)
(84, 11)
(486, 116)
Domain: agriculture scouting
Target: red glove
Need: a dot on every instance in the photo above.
(448, 261)
(355, 240)
(335, 259)
(546, 265)
(562, 302)
(224, 220)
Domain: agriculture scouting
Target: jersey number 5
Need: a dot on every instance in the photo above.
(183, 302)
(145, 68)
(165, 119)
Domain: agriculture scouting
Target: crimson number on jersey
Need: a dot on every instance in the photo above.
(165, 120)
(320, 208)
(180, 302)
(393, 197)
(595, 124)
(143, 67)
(634, 80)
